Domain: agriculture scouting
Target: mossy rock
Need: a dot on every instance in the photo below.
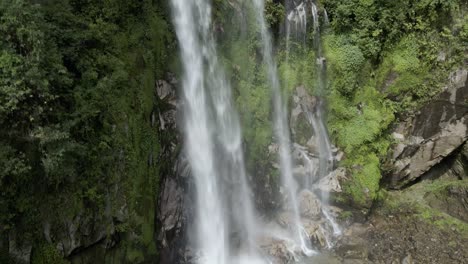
(47, 254)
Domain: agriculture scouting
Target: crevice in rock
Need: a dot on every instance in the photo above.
(442, 168)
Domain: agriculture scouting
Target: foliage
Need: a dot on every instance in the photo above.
(366, 178)
(274, 13)
(384, 60)
(346, 62)
(296, 69)
(414, 203)
(375, 24)
(76, 96)
(47, 254)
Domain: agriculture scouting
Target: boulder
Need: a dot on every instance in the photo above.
(436, 131)
(331, 183)
(316, 233)
(309, 205)
(278, 250)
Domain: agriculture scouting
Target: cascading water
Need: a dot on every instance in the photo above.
(217, 176)
(226, 226)
(298, 18)
(317, 119)
(315, 16)
(282, 131)
(211, 229)
(315, 116)
(325, 17)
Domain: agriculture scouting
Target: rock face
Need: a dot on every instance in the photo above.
(172, 215)
(92, 235)
(453, 200)
(82, 231)
(309, 205)
(436, 131)
(302, 132)
(172, 210)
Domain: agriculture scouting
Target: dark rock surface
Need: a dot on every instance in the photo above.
(437, 130)
(173, 208)
(452, 199)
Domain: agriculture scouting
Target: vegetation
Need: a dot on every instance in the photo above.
(414, 203)
(385, 59)
(76, 97)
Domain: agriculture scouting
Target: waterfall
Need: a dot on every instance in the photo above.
(316, 116)
(226, 228)
(317, 119)
(282, 130)
(315, 17)
(325, 17)
(213, 141)
(297, 17)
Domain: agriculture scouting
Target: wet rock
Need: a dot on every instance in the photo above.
(172, 214)
(173, 208)
(331, 183)
(167, 115)
(317, 234)
(284, 219)
(309, 205)
(278, 250)
(312, 146)
(352, 246)
(164, 90)
(436, 131)
(19, 251)
(303, 106)
(273, 149)
(82, 230)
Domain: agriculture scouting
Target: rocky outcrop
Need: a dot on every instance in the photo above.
(451, 199)
(84, 230)
(437, 130)
(172, 210)
(172, 215)
(301, 129)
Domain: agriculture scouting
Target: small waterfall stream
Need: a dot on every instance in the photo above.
(282, 131)
(316, 117)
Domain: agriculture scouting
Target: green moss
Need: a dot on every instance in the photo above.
(346, 63)
(413, 202)
(364, 185)
(442, 221)
(298, 68)
(47, 254)
(345, 215)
